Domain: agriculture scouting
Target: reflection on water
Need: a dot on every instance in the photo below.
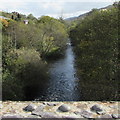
(62, 85)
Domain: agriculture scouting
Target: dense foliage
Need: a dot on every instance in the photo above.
(27, 46)
(96, 45)
(24, 48)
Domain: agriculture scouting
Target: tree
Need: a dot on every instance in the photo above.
(54, 35)
(96, 45)
(12, 17)
(30, 16)
(23, 46)
(18, 16)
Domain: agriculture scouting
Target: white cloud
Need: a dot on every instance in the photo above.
(67, 15)
(11, 5)
(54, 8)
(52, 5)
(58, 1)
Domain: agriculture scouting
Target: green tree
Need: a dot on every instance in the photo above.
(53, 35)
(22, 69)
(96, 45)
(30, 16)
(23, 46)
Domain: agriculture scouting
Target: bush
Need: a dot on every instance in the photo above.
(24, 68)
(96, 45)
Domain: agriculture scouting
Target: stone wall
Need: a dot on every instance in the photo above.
(74, 110)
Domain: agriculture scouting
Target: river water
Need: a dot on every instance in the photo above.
(62, 85)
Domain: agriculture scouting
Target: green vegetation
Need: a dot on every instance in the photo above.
(96, 45)
(28, 42)
(25, 47)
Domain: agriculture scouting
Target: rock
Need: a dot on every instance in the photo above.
(11, 116)
(111, 101)
(64, 108)
(82, 106)
(100, 112)
(46, 114)
(38, 110)
(86, 114)
(115, 116)
(106, 116)
(70, 117)
(113, 106)
(30, 107)
(33, 116)
(51, 104)
(77, 113)
(44, 103)
(96, 108)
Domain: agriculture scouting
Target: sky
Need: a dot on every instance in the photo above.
(53, 8)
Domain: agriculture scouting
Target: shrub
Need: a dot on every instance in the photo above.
(96, 45)
(25, 68)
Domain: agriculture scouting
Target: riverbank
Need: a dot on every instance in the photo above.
(37, 109)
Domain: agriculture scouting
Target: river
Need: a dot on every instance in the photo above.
(62, 85)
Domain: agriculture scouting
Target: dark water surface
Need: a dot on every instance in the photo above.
(62, 85)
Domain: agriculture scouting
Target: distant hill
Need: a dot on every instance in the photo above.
(82, 16)
(71, 18)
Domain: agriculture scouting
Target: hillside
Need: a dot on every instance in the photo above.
(82, 16)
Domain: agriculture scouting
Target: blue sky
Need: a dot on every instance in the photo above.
(53, 8)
